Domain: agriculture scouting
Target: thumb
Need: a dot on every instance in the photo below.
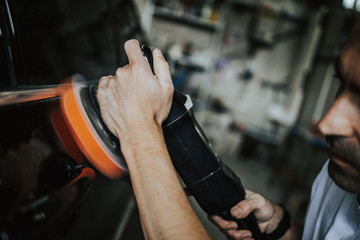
(263, 209)
(243, 208)
(253, 202)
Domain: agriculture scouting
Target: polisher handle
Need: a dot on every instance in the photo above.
(147, 53)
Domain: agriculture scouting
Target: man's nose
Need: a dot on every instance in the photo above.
(337, 120)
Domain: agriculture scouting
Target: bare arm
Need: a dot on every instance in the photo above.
(133, 104)
(267, 214)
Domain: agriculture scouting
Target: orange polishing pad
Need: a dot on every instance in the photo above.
(89, 131)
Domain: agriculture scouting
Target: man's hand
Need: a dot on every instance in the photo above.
(133, 105)
(135, 97)
(267, 214)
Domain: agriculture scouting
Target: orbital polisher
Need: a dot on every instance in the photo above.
(84, 136)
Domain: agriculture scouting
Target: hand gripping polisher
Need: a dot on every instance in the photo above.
(84, 135)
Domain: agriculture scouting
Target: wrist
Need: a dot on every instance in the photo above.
(275, 219)
(140, 139)
(279, 223)
(135, 131)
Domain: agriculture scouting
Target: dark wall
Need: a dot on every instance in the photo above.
(54, 39)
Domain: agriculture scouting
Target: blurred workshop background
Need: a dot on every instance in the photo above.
(259, 72)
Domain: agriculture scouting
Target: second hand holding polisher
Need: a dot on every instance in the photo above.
(214, 185)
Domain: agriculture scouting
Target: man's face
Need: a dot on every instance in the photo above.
(341, 125)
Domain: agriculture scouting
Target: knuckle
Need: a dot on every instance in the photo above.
(256, 196)
(103, 80)
(119, 72)
(134, 65)
(260, 199)
(112, 83)
(169, 87)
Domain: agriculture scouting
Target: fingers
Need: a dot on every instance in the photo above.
(263, 211)
(133, 52)
(223, 224)
(230, 228)
(102, 86)
(239, 234)
(162, 72)
(105, 99)
(161, 67)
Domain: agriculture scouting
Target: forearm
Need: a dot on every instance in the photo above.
(164, 209)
